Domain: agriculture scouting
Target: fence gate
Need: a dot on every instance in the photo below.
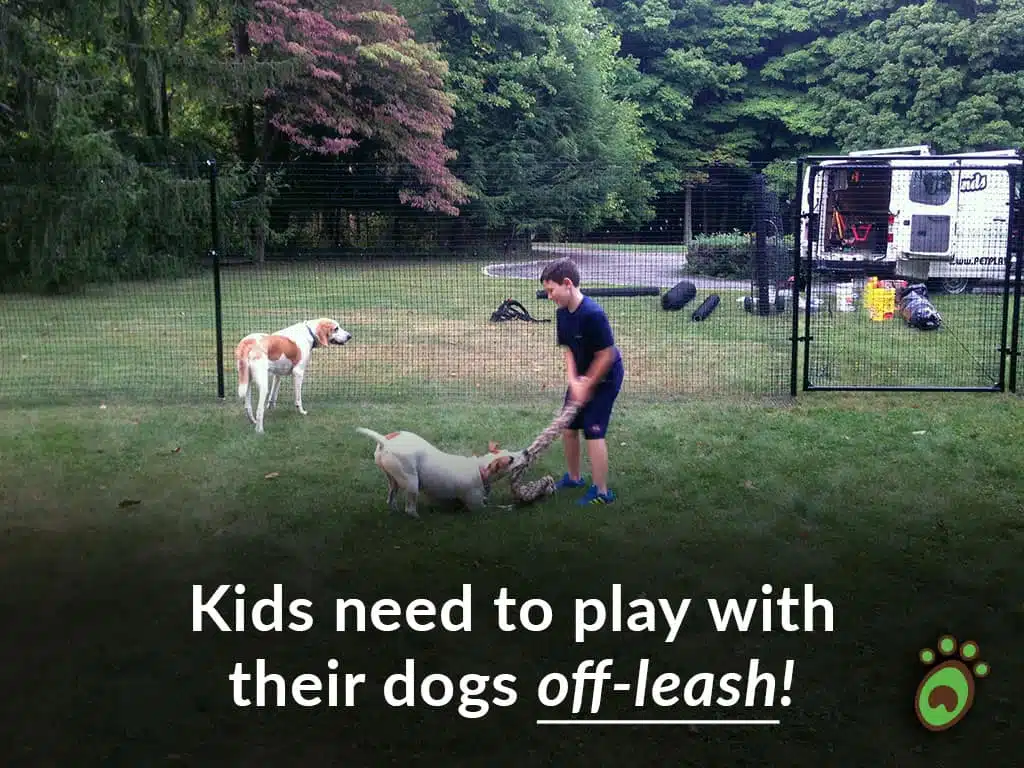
(909, 276)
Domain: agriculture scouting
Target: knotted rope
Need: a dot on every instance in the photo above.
(526, 492)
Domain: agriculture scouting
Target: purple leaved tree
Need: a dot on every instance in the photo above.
(360, 76)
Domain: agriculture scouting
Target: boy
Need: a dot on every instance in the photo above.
(594, 372)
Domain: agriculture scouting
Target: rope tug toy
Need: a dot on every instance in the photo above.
(526, 492)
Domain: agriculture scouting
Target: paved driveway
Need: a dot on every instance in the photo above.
(647, 267)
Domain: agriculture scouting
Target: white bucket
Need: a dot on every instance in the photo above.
(845, 297)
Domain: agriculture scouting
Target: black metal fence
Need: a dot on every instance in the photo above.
(138, 287)
(912, 272)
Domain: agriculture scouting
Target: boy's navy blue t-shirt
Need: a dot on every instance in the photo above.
(586, 331)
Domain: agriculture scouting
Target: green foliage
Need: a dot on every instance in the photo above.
(781, 178)
(730, 254)
(562, 115)
(94, 215)
(695, 61)
(548, 138)
(887, 74)
(726, 255)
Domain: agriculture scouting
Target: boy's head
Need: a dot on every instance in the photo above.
(561, 279)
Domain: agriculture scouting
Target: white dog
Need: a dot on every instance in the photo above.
(416, 466)
(262, 359)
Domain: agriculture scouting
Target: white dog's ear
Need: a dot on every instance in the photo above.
(323, 333)
(493, 447)
(497, 466)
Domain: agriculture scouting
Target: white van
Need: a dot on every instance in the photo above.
(907, 213)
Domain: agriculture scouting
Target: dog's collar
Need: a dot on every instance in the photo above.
(315, 342)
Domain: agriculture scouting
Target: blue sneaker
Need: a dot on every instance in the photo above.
(568, 482)
(593, 497)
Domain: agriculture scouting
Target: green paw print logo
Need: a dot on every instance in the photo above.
(947, 691)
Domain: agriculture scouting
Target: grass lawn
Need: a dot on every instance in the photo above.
(904, 511)
(420, 330)
(850, 349)
(423, 330)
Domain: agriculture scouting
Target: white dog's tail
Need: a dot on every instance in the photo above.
(251, 364)
(381, 439)
(243, 377)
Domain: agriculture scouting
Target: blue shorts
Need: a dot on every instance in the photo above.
(594, 417)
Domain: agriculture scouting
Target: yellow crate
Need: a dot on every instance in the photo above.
(879, 299)
(882, 304)
(870, 288)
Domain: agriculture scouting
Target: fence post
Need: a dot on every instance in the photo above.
(1016, 244)
(808, 271)
(797, 276)
(215, 253)
(761, 271)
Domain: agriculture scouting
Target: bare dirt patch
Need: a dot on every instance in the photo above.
(430, 348)
(422, 349)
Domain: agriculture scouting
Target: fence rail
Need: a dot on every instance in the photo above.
(143, 296)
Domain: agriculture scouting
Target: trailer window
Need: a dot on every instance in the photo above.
(930, 187)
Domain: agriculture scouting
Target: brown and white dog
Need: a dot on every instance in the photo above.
(416, 466)
(262, 359)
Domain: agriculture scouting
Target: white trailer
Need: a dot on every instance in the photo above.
(906, 212)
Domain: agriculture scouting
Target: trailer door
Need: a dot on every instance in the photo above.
(925, 222)
(815, 207)
(984, 205)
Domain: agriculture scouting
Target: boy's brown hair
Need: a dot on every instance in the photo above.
(558, 270)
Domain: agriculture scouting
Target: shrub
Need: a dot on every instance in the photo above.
(731, 255)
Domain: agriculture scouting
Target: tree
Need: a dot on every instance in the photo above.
(359, 79)
(890, 73)
(692, 58)
(548, 136)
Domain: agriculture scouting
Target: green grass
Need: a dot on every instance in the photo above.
(851, 349)
(422, 330)
(419, 330)
(904, 511)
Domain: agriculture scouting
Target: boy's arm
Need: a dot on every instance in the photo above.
(604, 357)
(562, 340)
(570, 365)
(603, 360)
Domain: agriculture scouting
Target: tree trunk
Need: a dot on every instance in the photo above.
(141, 65)
(246, 130)
(688, 216)
(248, 148)
(165, 105)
